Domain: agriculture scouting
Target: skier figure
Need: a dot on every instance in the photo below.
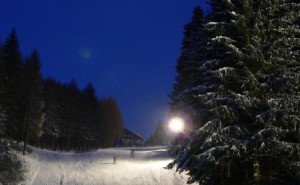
(61, 180)
(132, 153)
(115, 159)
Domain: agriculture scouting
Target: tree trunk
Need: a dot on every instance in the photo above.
(25, 136)
(256, 168)
(246, 173)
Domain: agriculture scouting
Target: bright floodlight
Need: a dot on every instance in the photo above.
(176, 124)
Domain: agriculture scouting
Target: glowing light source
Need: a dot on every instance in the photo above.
(176, 124)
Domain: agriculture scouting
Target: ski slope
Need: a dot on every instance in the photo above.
(97, 167)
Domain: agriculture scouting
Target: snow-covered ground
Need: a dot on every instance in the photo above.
(97, 167)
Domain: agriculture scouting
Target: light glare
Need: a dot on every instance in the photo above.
(176, 124)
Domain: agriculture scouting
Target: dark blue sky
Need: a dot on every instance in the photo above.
(126, 48)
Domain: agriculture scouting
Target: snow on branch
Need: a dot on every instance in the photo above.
(275, 147)
(228, 42)
(226, 71)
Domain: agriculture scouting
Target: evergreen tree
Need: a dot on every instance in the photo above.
(75, 119)
(2, 93)
(51, 131)
(243, 132)
(111, 130)
(48, 113)
(62, 115)
(277, 138)
(69, 95)
(2, 120)
(15, 85)
(2, 75)
(159, 136)
(150, 141)
(34, 115)
(191, 58)
(91, 116)
(225, 107)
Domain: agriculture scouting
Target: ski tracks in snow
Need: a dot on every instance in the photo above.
(33, 178)
(96, 168)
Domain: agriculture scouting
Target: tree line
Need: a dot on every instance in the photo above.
(49, 114)
(238, 90)
(160, 136)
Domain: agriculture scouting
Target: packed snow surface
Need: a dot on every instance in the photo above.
(134, 166)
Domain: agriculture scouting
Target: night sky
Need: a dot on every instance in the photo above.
(126, 48)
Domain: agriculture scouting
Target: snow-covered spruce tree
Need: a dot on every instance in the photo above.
(188, 65)
(222, 150)
(277, 140)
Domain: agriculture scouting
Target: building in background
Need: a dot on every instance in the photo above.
(131, 139)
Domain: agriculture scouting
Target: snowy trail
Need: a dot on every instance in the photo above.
(97, 168)
(36, 172)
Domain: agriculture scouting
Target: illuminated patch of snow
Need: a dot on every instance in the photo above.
(233, 13)
(97, 167)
